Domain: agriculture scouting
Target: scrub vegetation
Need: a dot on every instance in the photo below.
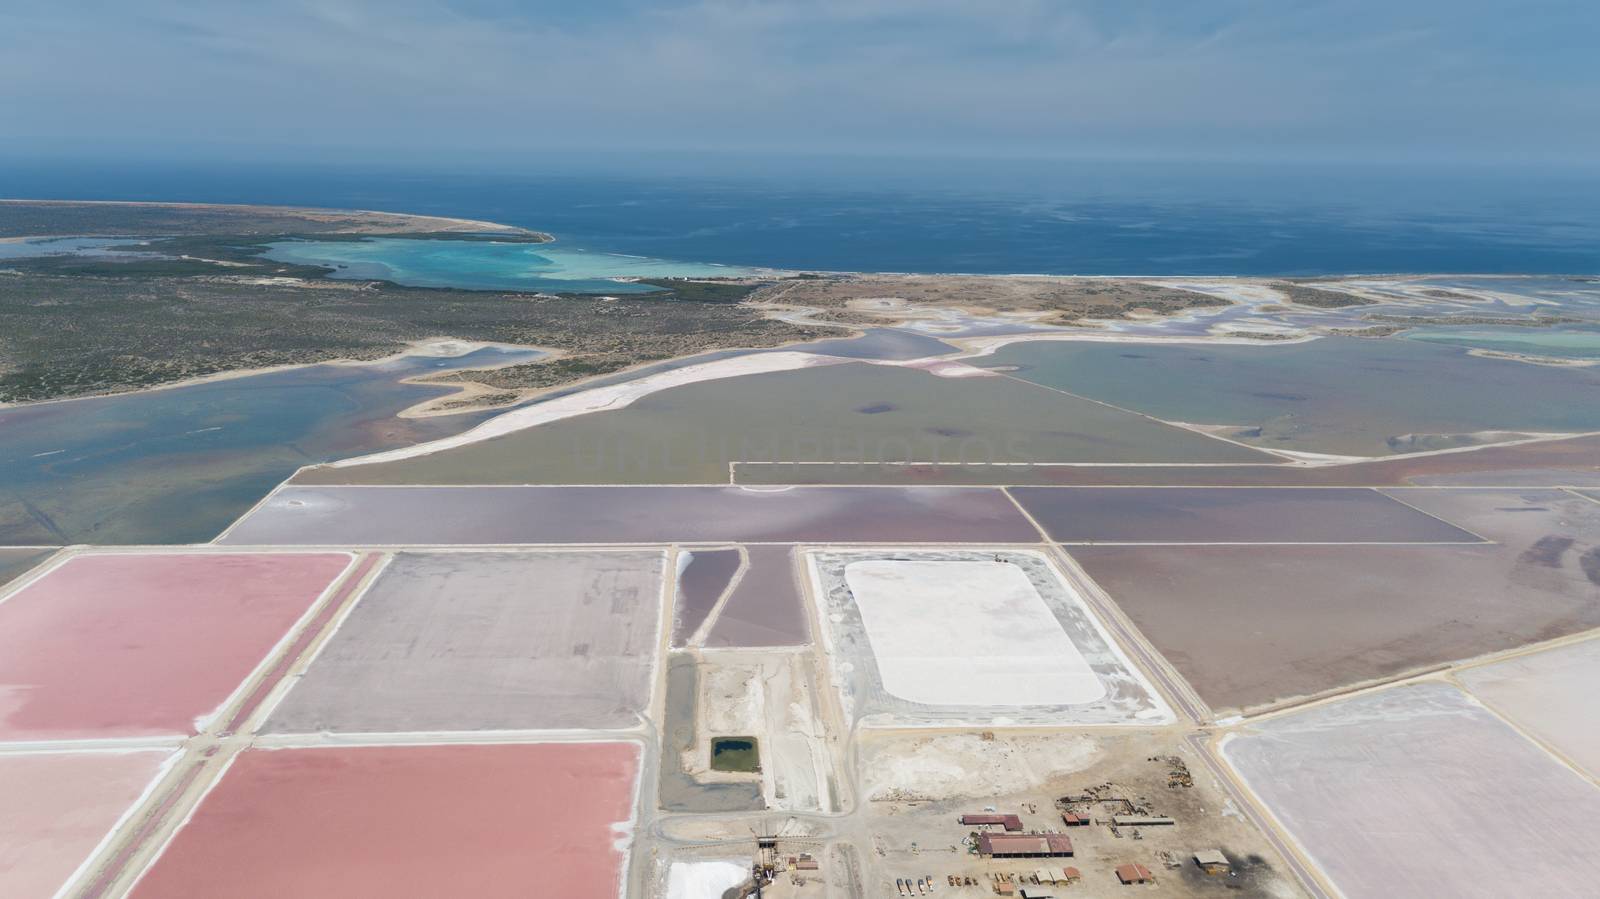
(1061, 300)
(74, 335)
(1302, 294)
(195, 303)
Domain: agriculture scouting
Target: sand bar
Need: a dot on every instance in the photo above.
(615, 396)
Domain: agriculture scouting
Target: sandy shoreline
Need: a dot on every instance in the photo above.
(436, 223)
(432, 347)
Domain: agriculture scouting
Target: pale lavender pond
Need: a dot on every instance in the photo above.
(389, 515)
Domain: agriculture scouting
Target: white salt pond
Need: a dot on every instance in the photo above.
(967, 633)
(1549, 694)
(1421, 791)
(946, 637)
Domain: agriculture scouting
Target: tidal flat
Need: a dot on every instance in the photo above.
(177, 465)
(1335, 395)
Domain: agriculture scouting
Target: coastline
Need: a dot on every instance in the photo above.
(447, 347)
(852, 316)
(380, 218)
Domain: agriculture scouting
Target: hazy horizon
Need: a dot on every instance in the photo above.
(487, 82)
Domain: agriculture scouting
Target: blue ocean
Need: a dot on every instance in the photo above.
(945, 216)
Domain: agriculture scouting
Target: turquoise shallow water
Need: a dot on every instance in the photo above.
(489, 265)
(1577, 342)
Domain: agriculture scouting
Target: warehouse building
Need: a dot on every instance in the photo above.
(1131, 874)
(1009, 822)
(1024, 845)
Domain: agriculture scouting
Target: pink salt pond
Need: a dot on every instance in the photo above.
(446, 820)
(59, 807)
(146, 644)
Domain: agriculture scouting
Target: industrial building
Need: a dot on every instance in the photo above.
(1025, 845)
(1132, 874)
(1009, 822)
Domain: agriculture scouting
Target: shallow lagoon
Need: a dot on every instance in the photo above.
(488, 265)
(178, 465)
(1334, 395)
(1566, 342)
(71, 246)
(853, 414)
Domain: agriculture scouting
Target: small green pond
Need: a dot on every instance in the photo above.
(735, 754)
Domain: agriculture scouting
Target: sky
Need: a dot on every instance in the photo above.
(1355, 81)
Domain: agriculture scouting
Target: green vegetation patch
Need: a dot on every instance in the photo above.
(1304, 295)
(706, 291)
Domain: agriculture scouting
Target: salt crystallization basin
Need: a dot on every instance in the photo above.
(952, 637)
(1011, 650)
(483, 820)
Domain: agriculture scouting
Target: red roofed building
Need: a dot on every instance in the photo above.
(1024, 845)
(1009, 822)
(1131, 874)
